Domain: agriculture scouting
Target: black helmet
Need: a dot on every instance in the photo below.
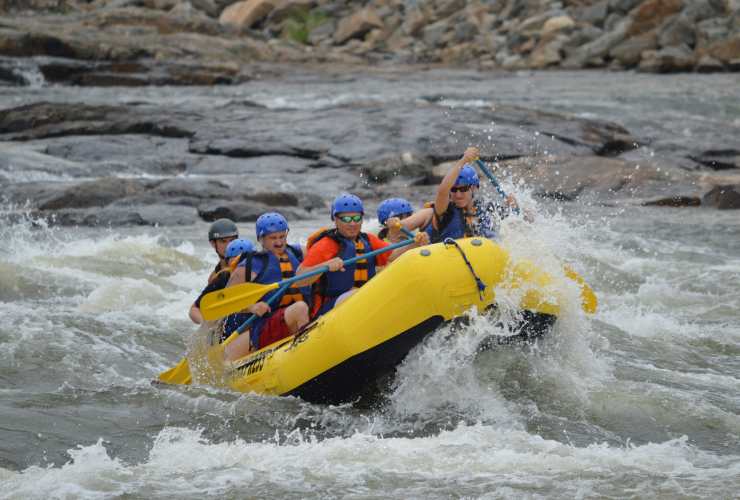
(222, 228)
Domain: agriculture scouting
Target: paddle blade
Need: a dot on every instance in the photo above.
(180, 374)
(232, 299)
(589, 302)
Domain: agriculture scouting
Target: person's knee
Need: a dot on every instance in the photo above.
(297, 313)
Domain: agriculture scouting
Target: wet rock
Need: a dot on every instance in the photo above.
(406, 165)
(598, 178)
(247, 13)
(114, 216)
(97, 193)
(723, 197)
(40, 120)
(20, 163)
(719, 159)
(676, 201)
(243, 211)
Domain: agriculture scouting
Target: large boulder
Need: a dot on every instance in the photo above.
(651, 14)
(97, 193)
(247, 13)
(668, 60)
(357, 25)
(727, 51)
(629, 52)
(676, 32)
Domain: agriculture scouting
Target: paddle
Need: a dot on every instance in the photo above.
(235, 298)
(495, 183)
(180, 374)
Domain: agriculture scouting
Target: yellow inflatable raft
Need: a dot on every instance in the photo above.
(336, 358)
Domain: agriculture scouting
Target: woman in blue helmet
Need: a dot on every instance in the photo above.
(330, 247)
(277, 261)
(456, 212)
(392, 208)
(236, 252)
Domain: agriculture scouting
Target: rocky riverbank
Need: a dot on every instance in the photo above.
(203, 42)
(126, 158)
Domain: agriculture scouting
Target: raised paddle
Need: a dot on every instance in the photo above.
(180, 374)
(493, 180)
(235, 298)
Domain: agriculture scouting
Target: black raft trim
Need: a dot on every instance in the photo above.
(348, 380)
(357, 377)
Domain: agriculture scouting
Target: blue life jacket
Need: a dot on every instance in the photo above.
(267, 268)
(456, 223)
(333, 284)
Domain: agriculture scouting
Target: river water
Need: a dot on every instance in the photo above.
(641, 400)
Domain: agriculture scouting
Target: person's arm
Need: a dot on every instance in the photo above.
(322, 253)
(195, 315)
(418, 220)
(238, 276)
(442, 201)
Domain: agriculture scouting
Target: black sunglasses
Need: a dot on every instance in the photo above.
(461, 189)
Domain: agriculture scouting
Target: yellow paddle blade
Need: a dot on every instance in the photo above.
(589, 302)
(179, 374)
(232, 299)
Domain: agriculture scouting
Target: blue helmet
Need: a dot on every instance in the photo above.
(393, 207)
(467, 177)
(270, 222)
(346, 203)
(238, 247)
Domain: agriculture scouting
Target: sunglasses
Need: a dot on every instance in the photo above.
(461, 189)
(349, 218)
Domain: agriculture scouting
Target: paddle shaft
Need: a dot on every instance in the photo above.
(493, 180)
(254, 317)
(347, 262)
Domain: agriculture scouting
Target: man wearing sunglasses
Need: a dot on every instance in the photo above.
(457, 213)
(346, 240)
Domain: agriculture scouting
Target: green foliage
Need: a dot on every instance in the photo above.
(300, 24)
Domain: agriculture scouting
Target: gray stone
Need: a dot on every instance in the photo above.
(629, 52)
(708, 64)
(601, 46)
(623, 6)
(668, 60)
(711, 30)
(724, 197)
(594, 14)
(677, 31)
(696, 11)
(434, 33)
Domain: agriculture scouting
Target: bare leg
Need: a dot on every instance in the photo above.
(296, 316)
(238, 347)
